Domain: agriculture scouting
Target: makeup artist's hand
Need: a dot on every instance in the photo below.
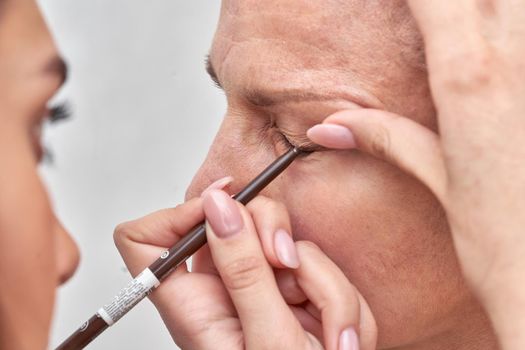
(476, 165)
(252, 287)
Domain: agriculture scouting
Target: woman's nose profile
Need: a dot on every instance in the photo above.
(67, 254)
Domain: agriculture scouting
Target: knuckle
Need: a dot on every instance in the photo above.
(122, 232)
(266, 204)
(242, 273)
(380, 143)
(179, 207)
(273, 206)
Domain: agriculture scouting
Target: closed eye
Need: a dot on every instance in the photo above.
(289, 141)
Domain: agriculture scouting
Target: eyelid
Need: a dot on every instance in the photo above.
(300, 141)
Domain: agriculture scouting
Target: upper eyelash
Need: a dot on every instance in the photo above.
(290, 144)
(304, 146)
(60, 112)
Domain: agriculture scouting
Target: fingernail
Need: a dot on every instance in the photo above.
(348, 340)
(332, 136)
(218, 185)
(222, 213)
(285, 249)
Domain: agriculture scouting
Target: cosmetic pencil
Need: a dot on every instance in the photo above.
(150, 278)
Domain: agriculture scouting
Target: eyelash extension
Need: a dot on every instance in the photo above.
(60, 112)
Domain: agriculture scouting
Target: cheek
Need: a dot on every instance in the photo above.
(386, 232)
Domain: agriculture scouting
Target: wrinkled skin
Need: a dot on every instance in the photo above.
(382, 227)
(36, 253)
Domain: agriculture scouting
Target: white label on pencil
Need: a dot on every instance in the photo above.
(128, 297)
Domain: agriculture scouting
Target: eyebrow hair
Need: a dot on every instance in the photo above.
(59, 67)
(267, 98)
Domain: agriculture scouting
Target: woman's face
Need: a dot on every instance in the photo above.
(36, 254)
(285, 66)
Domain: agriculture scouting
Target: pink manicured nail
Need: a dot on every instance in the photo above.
(285, 249)
(332, 136)
(218, 185)
(222, 213)
(348, 340)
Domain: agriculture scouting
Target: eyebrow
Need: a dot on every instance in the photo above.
(267, 98)
(59, 67)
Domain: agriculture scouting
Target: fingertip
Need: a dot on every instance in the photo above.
(332, 136)
(348, 339)
(285, 249)
(222, 213)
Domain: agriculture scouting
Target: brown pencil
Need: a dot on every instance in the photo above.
(150, 278)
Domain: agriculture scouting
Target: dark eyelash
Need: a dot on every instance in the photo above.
(285, 141)
(60, 112)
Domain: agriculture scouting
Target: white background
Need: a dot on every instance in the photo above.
(144, 116)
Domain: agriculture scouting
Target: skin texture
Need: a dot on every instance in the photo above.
(213, 306)
(379, 223)
(475, 165)
(382, 227)
(36, 254)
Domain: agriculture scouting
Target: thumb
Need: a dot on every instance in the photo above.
(395, 139)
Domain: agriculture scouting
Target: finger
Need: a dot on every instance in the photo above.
(141, 241)
(201, 261)
(197, 311)
(392, 138)
(272, 224)
(341, 308)
(237, 253)
(289, 287)
(454, 25)
(310, 324)
(367, 325)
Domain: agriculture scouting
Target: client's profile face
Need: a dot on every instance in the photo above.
(285, 66)
(36, 254)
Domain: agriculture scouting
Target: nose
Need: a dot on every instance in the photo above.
(209, 172)
(67, 254)
(223, 159)
(231, 155)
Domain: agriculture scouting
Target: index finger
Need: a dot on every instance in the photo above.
(141, 241)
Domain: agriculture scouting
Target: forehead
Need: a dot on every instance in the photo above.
(314, 42)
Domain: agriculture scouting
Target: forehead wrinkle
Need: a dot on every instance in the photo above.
(268, 98)
(267, 84)
(361, 47)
